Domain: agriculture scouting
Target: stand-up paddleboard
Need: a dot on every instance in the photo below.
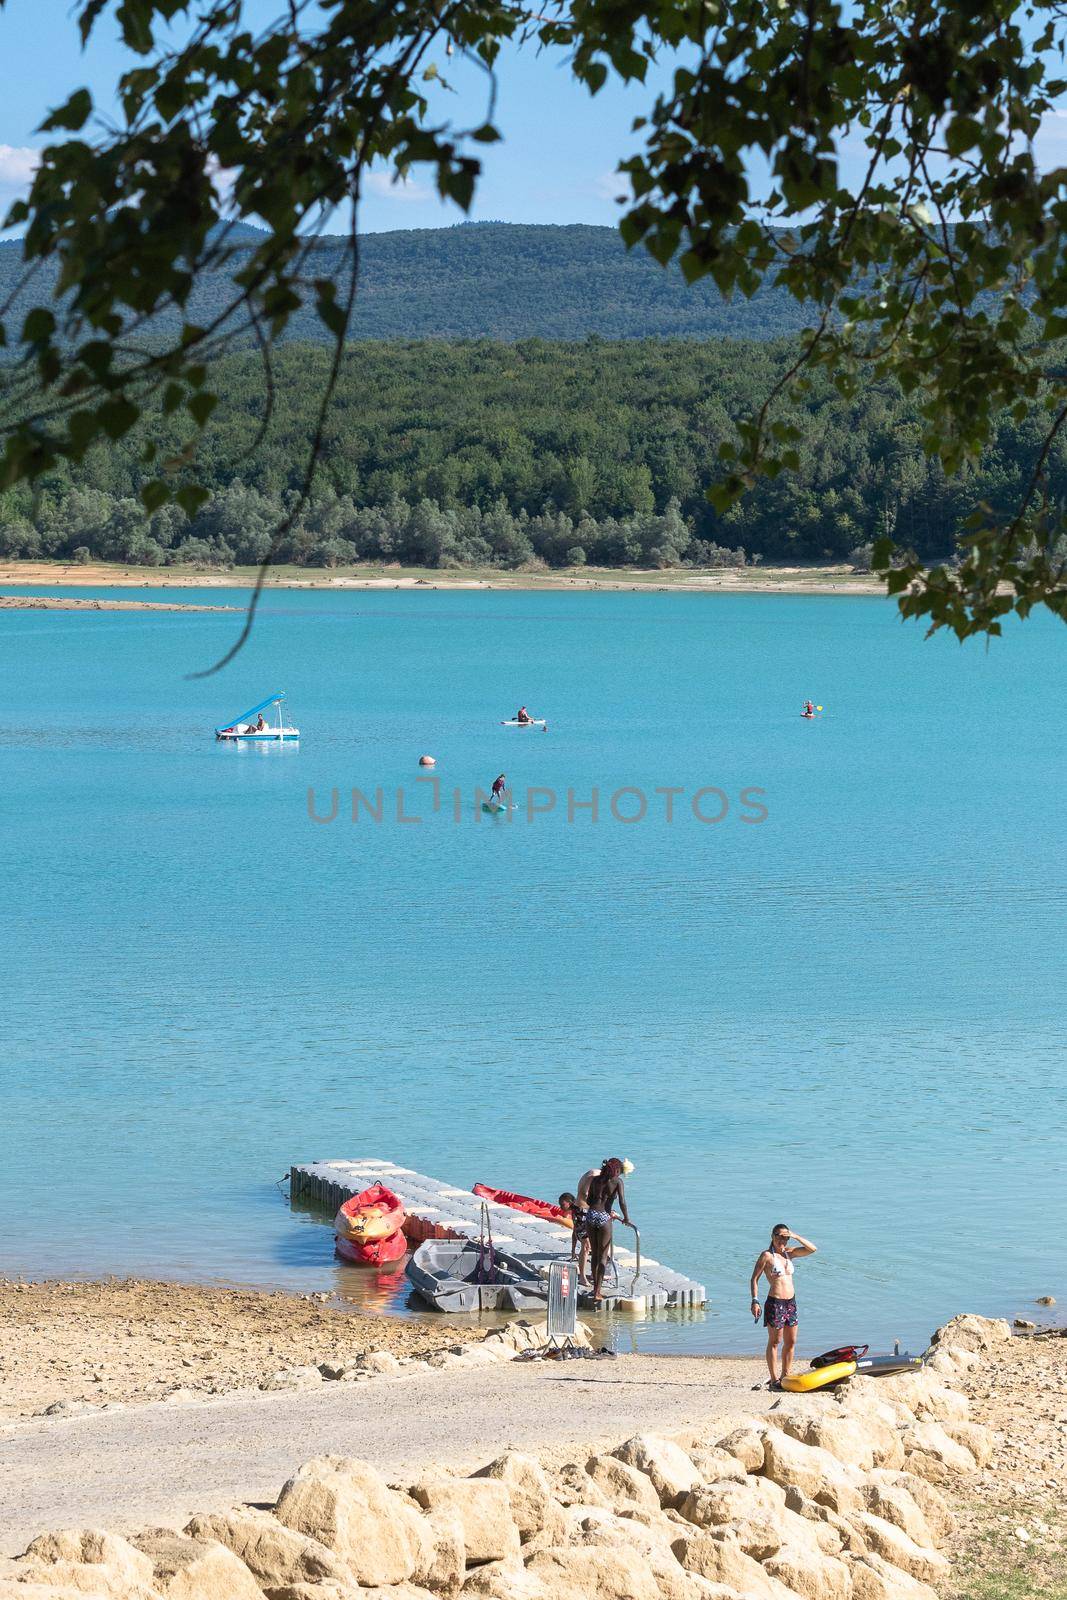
(884, 1366)
(496, 811)
(533, 722)
(819, 1377)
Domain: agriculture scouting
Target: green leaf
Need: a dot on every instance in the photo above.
(154, 495)
(74, 114)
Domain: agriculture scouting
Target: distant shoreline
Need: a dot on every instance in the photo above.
(839, 580)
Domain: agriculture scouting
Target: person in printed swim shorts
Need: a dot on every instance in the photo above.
(780, 1311)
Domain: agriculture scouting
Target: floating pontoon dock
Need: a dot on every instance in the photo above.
(438, 1210)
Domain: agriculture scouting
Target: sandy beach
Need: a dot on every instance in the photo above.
(77, 1347)
(28, 602)
(747, 580)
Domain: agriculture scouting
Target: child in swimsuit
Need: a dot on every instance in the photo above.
(579, 1219)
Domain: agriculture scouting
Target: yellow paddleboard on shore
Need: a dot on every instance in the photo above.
(819, 1377)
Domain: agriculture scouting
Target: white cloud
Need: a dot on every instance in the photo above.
(610, 185)
(18, 163)
(386, 186)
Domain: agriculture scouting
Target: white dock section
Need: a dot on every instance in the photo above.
(438, 1210)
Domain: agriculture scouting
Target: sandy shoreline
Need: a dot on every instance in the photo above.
(82, 1346)
(24, 602)
(751, 580)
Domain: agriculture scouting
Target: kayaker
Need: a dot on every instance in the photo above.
(579, 1232)
(605, 1191)
(522, 715)
(780, 1311)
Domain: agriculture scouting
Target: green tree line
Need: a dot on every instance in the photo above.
(486, 453)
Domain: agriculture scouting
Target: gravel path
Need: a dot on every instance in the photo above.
(160, 1463)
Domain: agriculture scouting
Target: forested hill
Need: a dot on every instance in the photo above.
(504, 280)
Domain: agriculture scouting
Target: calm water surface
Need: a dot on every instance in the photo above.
(848, 1017)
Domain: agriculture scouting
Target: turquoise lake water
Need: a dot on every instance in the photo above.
(848, 1016)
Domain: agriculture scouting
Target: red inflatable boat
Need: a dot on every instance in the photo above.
(522, 1202)
(369, 1228)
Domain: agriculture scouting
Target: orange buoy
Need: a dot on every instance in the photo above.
(427, 761)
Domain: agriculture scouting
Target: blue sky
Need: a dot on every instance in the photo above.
(555, 165)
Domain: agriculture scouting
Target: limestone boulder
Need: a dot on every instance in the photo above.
(505, 1580)
(895, 1546)
(973, 1333)
(926, 1397)
(724, 1561)
(622, 1484)
(930, 1501)
(832, 1532)
(893, 1503)
(442, 1563)
(746, 1446)
(274, 1555)
(571, 1485)
(863, 1442)
(483, 1506)
(874, 1578)
(811, 1469)
(527, 1486)
(716, 1465)
(344, 1504)
(728, 1502)
(973, 1437)
(670, 1471)
(194, 1569)
(88, 1560)
(584, 1574)
(809, 1573)
(608, 1528)
(674, 1583)
(931, 1453)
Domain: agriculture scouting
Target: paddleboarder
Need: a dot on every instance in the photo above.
(780, 1311)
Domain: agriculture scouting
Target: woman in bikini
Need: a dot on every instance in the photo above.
(605, 1190)
(780, 1311)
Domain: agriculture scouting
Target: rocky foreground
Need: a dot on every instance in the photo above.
(844, 1496)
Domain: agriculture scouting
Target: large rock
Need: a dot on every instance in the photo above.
(345, 1505)
(527, 1487)
(621, 1484)
(669, 1469)
(716, 1464)
(194, 1569)
(89, 1560)
(571, 1485)
(724, 1561)
(930, 1501)
(925, 1397)
(973, 1437)
(873, 1578)
(274, 1555)
(810, 1574)
(833, 1533)
(931, 1453)
(721, 1504)
(443, 1564)
(584, 1574)
(483, 1506)
(893, 1503)
(895, 1546)
(608, 1528)
(504, 1580)
(811, 1469)
(972, 1333)
(746, 1446)
(863, 1442)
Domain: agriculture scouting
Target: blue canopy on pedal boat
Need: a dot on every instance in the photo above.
(246, 716)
